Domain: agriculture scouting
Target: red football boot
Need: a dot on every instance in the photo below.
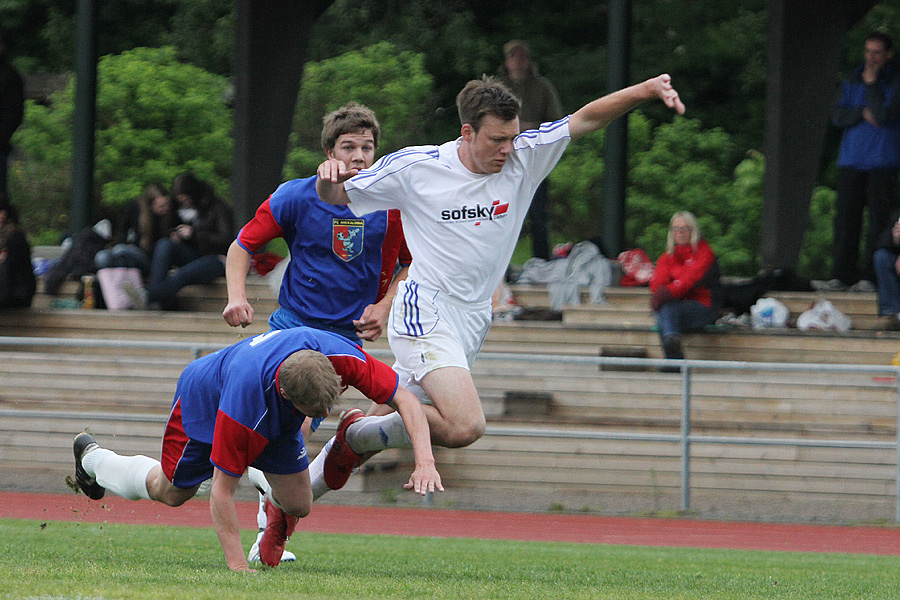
(279, 527)
(341, 459)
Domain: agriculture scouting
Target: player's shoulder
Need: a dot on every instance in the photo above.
(400, 160)
(295, 189)
(547, 133)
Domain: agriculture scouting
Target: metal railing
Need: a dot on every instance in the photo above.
(687, 368)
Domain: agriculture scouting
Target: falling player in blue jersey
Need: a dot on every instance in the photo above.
(243, 406)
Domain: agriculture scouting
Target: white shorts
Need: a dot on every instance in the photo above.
(429, 330)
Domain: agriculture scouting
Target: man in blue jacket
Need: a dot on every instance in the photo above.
(868, 111)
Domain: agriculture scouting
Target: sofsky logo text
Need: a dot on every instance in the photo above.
(476, 213)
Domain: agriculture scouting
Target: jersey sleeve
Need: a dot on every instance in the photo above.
(381, 186)
(235, 446)
(373, 378)
(262, 229)
(540, 149)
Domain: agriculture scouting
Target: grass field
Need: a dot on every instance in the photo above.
(69, 560)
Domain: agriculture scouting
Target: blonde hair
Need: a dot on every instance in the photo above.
(692, 223)
(309, 381)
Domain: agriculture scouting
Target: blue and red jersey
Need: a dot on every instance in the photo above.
(340, 263)
(230, 399)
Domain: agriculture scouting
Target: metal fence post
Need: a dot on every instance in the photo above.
(685, 437)
(897, 441)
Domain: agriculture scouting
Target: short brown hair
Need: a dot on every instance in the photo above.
(309, 381)
(486, 96)
(350, 118)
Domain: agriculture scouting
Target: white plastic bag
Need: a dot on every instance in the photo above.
(769, 312)
(823, 315)
(112, 284)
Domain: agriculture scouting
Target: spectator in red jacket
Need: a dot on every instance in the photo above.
(682, 285)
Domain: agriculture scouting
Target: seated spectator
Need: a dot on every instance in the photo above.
(683, 283)
(17, 283)
(149, 218)
(196, 247)
(886, 261)
(78, 259)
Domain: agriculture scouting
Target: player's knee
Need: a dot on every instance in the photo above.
(466, 432)
(296, 507)
(298, 510)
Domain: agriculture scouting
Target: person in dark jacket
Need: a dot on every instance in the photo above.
(17, 282)
(681, 289)
(148, 219)
(12, 106)
(868, 112)
(540, 104)
(196, 247)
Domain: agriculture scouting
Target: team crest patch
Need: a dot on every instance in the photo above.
(347, 238)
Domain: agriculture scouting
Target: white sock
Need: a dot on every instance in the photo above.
(125, 476)
(317, 472)
(261, 518)
(373, 434)
(259, 481)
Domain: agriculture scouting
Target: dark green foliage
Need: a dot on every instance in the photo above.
(392, 82)
(156, 117)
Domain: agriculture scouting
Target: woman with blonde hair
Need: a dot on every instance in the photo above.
(683, 284)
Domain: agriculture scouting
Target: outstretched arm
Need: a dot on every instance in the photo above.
(225, 519)
(330, 182)
(425, 477)
(603, 111)
(237, 263)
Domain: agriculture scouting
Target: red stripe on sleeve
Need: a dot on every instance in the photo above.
(235, 446)
(262, 229)
(373, 378)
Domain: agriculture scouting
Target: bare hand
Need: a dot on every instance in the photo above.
(242, 568)
(869, 117)
(424, 479)
(184, 231)
(870, 73)
(662, 87)
(897, 266)
(335, 171)
(238, 313)
(371, 324)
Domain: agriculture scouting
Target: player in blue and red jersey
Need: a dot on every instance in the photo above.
(243, 406)
(341, 275)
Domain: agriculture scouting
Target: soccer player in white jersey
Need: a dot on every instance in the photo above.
(463, 204)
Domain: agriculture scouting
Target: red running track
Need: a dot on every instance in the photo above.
(326, 518)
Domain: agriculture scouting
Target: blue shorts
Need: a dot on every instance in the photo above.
(187, 462)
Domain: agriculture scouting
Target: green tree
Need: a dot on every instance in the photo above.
(156, 117)
(391, 82)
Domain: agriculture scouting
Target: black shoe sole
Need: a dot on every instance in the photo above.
(88, 484)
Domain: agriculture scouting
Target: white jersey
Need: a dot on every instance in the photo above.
(461, 227)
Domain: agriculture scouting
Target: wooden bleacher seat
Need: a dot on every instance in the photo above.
(49, 393)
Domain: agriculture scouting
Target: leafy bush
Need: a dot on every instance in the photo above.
(391, 82)
(681, 166)
(156, 117)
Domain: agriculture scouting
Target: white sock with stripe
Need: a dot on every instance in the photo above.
(373, 434)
